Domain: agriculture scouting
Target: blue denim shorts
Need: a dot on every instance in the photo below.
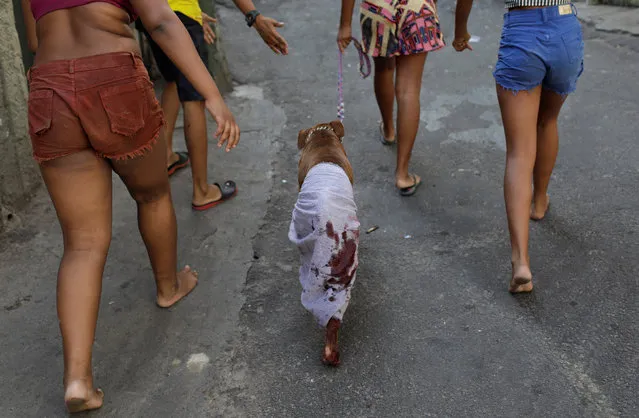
(540, 47)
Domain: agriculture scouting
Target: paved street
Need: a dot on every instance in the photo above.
(432, 330)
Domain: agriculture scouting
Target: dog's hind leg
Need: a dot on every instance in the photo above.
(330, 357)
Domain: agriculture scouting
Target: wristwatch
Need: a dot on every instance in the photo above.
(251, 17)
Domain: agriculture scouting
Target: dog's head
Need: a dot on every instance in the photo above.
(305, 136)
(322, 144)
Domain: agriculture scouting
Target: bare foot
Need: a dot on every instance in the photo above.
(80, 396)
(387, 134)
(186, 280)
(409, 181)
(539, 208)
(212, 194)
(521, 281)
(330, 357)
(172, 159)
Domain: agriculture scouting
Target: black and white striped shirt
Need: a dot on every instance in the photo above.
(511, 4)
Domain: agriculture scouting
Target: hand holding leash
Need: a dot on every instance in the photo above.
(461, 42)
(344, 37)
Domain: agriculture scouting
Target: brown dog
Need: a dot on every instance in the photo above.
(325, 229)
(322, 144)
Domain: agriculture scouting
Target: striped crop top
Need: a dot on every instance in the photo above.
(512, 4)
(40, 8)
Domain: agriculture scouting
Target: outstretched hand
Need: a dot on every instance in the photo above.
(227, 130)
(209, 33)
(267, 28)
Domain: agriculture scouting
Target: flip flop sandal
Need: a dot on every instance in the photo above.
(410, 190)
(183, 161)
(382, 138)
(228, 190)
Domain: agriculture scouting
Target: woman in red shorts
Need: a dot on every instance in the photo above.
(92, 110)
(398, 34)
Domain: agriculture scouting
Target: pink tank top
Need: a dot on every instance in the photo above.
(40, 8)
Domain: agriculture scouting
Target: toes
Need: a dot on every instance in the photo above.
(188, 269)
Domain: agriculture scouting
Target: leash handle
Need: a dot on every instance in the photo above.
(364, 71)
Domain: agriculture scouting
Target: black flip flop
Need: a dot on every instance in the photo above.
(183, 161)
(382, 138)
(228, 190)
(410, 190)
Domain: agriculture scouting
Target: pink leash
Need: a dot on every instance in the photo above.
(364, 70)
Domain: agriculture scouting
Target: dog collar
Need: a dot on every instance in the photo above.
(320, 128)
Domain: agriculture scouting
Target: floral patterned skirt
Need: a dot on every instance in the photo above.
(400, 27)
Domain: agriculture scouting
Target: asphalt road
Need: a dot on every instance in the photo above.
(432, 330)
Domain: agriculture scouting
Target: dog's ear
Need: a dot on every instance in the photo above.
(301, 138)
(338, 128)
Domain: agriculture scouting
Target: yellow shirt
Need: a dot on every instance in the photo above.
(190, 8)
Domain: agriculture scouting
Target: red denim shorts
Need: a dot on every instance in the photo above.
(104, 103)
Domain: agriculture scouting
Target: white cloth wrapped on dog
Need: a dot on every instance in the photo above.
(326, 231)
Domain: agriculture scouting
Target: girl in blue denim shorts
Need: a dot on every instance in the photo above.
(540, 59)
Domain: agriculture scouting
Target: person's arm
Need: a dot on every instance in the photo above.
(462, 12)
(169, 33)
(29, 25)
(266, 27)
(345, 31)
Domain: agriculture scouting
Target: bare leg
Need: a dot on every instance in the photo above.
(385, 93)
(197, 143)
(171, 108)
(147, 181)
(408, 85)
(330, 357)
(80, 188)
(547, 147)
(519, 114)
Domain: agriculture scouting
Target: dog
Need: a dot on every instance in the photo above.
(325, 228)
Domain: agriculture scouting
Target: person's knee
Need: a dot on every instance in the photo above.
(89, 239)
(521, 157)
(406, 94)
(149, 195)
(546, 121)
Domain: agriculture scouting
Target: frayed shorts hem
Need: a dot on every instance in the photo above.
(517, 89)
